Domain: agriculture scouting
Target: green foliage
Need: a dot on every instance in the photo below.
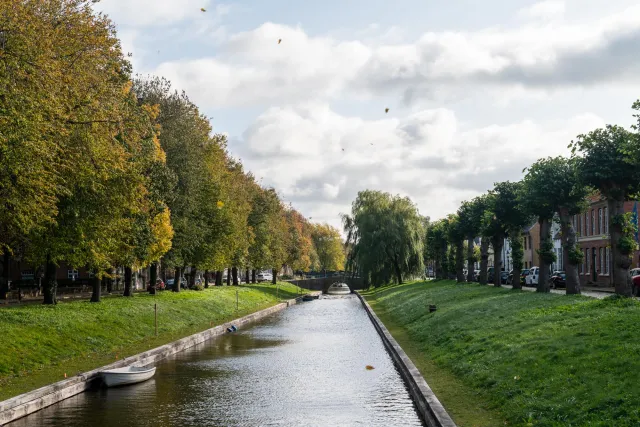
(536, 357)
(517, 249)
(329, 247)
(546, 252)
(575, 256)
(386, 233)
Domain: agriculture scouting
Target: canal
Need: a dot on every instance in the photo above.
(305, 366)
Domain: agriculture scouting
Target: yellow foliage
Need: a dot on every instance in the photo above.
(162, 233)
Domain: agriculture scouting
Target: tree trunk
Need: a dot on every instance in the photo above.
(50, 283)
(253, 276)
(4, 278)
(234, 273)
(396, 267)
(229, 276)
(177, 281)
(517, 252)
(153, 277)
(484, 260)
(470, 259)
(247, 278)
(460, 261)
(128, 279)
(568, 244)
(219, 278)
(206, 279)
(110, 280)
(192, 277)
(545, 239)
(621, 261)
(497, 244)
(97, 289)
(274, 276)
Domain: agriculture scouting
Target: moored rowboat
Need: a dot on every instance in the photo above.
(126, 375)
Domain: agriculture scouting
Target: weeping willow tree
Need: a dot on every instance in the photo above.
(385, 235)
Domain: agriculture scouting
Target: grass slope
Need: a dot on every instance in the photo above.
(536, 359)
(39, 344)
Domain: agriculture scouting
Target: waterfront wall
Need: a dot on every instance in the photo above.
(427, 404)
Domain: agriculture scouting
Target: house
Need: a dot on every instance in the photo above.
(592, 229)
(531, 244)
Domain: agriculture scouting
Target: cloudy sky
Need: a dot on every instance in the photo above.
(475, 93)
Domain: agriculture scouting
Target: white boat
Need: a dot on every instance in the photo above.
(339, 289)
(126, 375)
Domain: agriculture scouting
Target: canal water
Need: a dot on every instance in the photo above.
(304, 366)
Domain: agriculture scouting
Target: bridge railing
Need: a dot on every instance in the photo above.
(323, 283)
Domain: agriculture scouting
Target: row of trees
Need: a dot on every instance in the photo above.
(604, 161)
(388, 239)
(102, 169)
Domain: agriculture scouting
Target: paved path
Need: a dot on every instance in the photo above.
(589, 293)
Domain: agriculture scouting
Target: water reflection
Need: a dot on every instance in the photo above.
(302, 367)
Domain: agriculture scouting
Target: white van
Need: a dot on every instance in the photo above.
(532, 278)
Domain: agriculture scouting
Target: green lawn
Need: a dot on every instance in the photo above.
(494, 355)
(42, 343)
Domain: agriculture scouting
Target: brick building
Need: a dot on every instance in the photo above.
(592, 228)
(531, 244)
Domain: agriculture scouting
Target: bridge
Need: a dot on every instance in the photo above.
(323, 283)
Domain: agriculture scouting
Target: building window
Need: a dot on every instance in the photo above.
(608, 262)
(587, 255)
(606, 221)
(582, 266)
(579, 224)
(600, 227)
(586, 224)
(601, 258)
(72, 274)
(593, 222)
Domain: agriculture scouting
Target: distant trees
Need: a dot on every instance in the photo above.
(329, 247)
(386, 236)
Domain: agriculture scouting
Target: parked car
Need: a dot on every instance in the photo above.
(532, 277)
(635, 282)
(264, 277)
(523, 274)
(558, 279)
(634, 272)
(503, 275)
(170, 283)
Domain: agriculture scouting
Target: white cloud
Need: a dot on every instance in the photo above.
(547, 10)
(252, 68)
(426, 155)
(147, 13)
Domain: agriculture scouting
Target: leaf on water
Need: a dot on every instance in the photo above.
(369, 367)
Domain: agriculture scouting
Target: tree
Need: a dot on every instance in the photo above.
(605, 161)
(505, 217)
(456, 236)
(436, 246)
(470, 216)
(329, 247)
(389, 234)
(556, 181)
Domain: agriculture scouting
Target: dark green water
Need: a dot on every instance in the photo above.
(304, 366)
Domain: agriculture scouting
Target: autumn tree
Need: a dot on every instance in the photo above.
(329, 247)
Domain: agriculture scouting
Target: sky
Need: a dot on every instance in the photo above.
(476, 91)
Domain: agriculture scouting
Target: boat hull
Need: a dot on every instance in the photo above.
(125, 376)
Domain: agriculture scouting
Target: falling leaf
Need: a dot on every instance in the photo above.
(220, 204)
(202, 9)
(386, 110)
(279, 41)
(369, 367)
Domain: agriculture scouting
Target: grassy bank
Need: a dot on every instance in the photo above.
(42, 343)
(530, 359)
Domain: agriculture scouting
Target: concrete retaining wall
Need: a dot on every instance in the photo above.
(428, 405)
(28, 403)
